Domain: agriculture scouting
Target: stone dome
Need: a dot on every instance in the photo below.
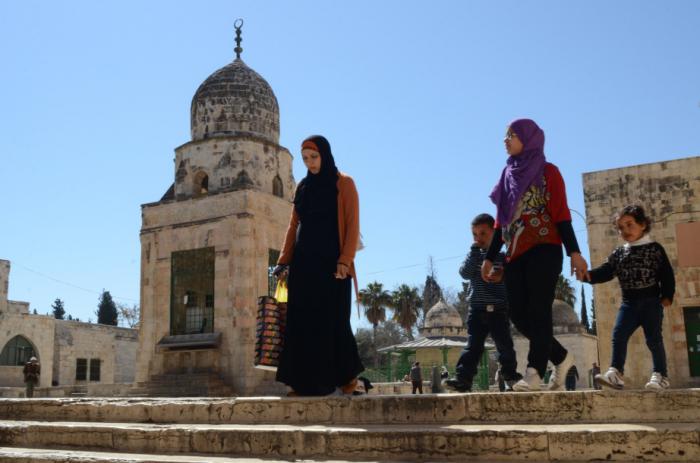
(442, 315)
(563, 314)
(235, 100)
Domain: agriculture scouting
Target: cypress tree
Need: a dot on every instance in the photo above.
(106, 310)
(584, 312)
(59, 311)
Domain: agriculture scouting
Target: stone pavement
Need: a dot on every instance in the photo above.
(557, 426)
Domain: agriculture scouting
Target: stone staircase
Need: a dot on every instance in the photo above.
(537, 427)
(182, 385)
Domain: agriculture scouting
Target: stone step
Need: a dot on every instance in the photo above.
(25, 455)
(541, 407)
(490, 442)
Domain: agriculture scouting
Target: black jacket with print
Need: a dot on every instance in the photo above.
(643, 271)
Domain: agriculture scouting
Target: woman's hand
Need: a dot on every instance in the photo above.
(341, 271)
(486, 269)
(496, 274)
(579, 266)
(281, 272)
(666, 302)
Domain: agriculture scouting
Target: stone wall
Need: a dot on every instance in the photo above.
(4, 284)
(11, 376)
(115, 347)
(669, 191)
(39, 331)
(18, 307)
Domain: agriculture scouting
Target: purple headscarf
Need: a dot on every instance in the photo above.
(521, 171)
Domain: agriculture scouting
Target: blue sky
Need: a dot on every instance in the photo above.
(413, 96)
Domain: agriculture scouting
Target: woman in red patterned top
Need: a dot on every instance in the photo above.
(533, 221)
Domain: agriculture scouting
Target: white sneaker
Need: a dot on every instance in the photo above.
(657, 382)
(557, 381)
(530, 382)
(611, 378)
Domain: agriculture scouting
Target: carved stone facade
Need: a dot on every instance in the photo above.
(670, 194)
(61, 345)
(231, 201)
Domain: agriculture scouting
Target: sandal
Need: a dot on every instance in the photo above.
(349, 388)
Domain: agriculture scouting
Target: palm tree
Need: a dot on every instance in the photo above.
(375, 300)
(406, 303)
(564, 291)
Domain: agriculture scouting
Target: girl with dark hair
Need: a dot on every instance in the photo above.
(320, 353)
(648, 285)
(533, 219)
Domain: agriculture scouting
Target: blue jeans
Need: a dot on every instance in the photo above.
(647, 313)
(479, 324)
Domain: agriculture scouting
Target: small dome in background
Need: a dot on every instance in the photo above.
(564, 319)
(442, 315)
(443, 320)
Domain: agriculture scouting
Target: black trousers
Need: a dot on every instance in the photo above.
(417, 386)
(479, 324)
(530, 283)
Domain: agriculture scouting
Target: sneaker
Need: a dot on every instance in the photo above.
(558, 379)
(611, 378)
(511, 382)
(531, 381)
(657, 382)
(458, 385)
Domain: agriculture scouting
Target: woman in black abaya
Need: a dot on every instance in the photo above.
(320, 353)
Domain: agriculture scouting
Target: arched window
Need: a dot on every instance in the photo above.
(201, 184)
(17, 351)
(277, 187)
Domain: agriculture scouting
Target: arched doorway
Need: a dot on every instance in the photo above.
(17, 351)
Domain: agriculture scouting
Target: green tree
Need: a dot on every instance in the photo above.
(387, 334)
(129, 315)
(59, 311)
(406, 304)
(594, 328)
(375, 300)
(432, 293)
(106, 310)
(564, 291)
(462, 303)
(584, 312)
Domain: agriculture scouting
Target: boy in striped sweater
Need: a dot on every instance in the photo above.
(488, 312)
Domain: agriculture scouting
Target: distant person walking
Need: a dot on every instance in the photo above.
(571, 378)
(533, 219)
(593, 372)
(416, 378)
(31, 371)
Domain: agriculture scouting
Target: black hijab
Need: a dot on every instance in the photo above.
(317, 194)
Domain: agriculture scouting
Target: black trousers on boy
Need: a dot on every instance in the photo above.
(530, 283)
(479, 324)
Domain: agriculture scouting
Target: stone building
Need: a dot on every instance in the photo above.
(70, 352)
(572, 335)
(207, 245)
(670, 194)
